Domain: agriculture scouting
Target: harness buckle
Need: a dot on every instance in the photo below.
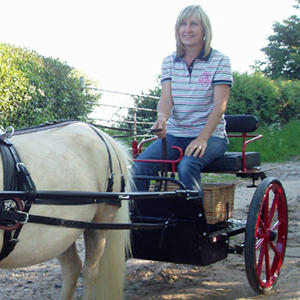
(9, 131)
(110, 184)
(124, 197)
(26, 216)
(20, 166)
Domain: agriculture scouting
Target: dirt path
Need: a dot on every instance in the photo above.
(160, 280)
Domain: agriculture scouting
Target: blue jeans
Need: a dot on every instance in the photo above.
(189, 168)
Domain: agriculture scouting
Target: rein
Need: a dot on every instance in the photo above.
(87, 198)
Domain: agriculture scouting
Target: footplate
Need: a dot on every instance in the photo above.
(231, 228)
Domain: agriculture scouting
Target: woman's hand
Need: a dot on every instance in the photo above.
(196, 147)
(159, 127)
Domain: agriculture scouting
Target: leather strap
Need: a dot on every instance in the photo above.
(22, 217)
(110, 178)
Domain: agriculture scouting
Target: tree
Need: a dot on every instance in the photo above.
(283, 50)
(289, 100)
(35, 89)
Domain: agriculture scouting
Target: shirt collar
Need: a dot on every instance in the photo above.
(200, 56)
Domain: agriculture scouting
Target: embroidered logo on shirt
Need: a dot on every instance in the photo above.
(205, 79)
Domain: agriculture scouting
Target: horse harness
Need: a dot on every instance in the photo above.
(14, 211)
(20, 193)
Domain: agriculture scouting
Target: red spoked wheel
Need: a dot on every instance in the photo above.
(266, 235)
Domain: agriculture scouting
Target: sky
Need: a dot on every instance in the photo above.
(121, 43)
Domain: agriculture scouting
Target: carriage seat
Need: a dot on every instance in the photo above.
(233, 161)
(238, 126)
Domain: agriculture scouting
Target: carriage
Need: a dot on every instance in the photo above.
(168, 223)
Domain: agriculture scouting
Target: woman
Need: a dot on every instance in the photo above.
(195, 81)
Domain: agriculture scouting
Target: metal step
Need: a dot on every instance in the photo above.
(231, 227)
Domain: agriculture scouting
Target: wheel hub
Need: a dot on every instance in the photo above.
(273, 236)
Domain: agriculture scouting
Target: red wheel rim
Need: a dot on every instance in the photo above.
(271, 235)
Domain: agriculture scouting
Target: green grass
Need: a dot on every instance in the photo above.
(279, 143)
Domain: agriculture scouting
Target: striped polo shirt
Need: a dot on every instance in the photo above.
(192, 91)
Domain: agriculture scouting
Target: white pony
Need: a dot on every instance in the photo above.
(74, 158)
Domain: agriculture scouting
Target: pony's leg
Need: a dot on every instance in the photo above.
(94, 247)
(70, 268)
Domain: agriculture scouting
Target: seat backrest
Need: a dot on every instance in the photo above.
(241, 123)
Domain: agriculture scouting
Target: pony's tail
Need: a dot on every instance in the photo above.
(110, 281)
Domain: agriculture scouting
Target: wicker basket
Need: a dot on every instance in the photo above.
(218, 199)
(218, 202)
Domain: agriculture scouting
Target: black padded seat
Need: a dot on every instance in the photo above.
(233, 162)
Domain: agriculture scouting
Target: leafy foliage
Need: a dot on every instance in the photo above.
(288, 100)
(254, 94)
(272, 101)
(35, 89)
(283, 50)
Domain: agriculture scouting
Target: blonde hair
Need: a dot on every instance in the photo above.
(197, 12)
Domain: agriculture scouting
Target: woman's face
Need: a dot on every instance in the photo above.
(191, 33)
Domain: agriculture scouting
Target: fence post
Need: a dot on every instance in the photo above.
(135, 118)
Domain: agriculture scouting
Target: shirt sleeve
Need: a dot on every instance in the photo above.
(224, 72)
(166, 69)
